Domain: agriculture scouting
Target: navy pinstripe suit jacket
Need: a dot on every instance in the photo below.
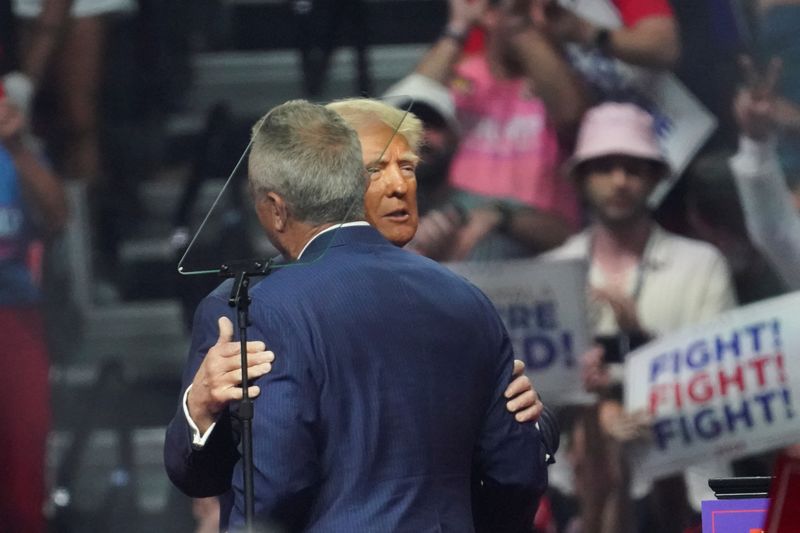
(384, 410)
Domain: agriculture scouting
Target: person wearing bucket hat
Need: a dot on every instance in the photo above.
(644, 282)
(618, 129)
(617, 140)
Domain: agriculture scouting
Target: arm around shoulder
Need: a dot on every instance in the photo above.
(438, 63)
(206, 471)
(510, 462)
(200, 472)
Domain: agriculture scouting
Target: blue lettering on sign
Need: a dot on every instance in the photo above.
(731, 418)
(755, 338)
(539, 352)
(538, 341)
(543, 350)
(541, 315)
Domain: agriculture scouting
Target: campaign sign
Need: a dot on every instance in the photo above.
(725, 389)
(734, 516)
(543, 306)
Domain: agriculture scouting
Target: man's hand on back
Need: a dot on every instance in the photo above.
(523, 400)
(218, 380)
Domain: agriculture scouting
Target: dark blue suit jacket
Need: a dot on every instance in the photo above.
(384, 410)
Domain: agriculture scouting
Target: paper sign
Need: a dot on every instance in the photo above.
(543, 306)
(725, 389)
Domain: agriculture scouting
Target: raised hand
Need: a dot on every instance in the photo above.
(623, 426)
(594, 372)
(755, 104)
(219, 378)
(436, 232)
(623, 307)
(480, 223)
(560, 23)
(465, 13)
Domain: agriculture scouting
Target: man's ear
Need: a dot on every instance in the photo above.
(272, 211)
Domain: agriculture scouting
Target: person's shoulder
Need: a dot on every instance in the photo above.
(693, 255)
(283, 280)
(577, 246)
(454, 285)
(423, 264)
(222, 292)
(219, 295)
(212, 307)
(683, 248)
(289, 281)
(218, 300)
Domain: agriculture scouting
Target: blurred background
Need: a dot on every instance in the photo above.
(141, 109)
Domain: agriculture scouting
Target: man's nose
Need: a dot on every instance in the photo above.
(619, 176)
(396, 182)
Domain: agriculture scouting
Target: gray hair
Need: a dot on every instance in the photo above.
(309, 156)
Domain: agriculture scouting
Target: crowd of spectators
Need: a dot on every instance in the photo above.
(537, 143)
(553, 67)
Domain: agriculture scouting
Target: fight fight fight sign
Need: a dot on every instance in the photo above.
(726, 389)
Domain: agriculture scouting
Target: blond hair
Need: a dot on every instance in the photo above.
(359, 112)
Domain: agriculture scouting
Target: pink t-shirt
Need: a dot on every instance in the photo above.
(508, 146)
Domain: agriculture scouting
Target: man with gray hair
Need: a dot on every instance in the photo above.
(352, 430)
(305, 172)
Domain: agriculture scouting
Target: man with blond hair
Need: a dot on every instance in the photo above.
(348, 435)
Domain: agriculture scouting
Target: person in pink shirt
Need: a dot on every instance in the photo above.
(510, 146)
(518, 103)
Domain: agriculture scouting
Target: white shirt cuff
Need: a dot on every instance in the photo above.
(546, 455)
(198, 440)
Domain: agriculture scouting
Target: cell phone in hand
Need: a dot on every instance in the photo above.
(611, 348)
(616, 347)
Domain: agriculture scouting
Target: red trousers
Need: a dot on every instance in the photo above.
(24, 419)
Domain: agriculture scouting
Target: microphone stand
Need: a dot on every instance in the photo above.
(241, 272)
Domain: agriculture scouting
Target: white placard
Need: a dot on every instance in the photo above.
(543, 305)
(725, 389)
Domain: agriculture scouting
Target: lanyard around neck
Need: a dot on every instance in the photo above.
(641, 272)
(641, 266)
